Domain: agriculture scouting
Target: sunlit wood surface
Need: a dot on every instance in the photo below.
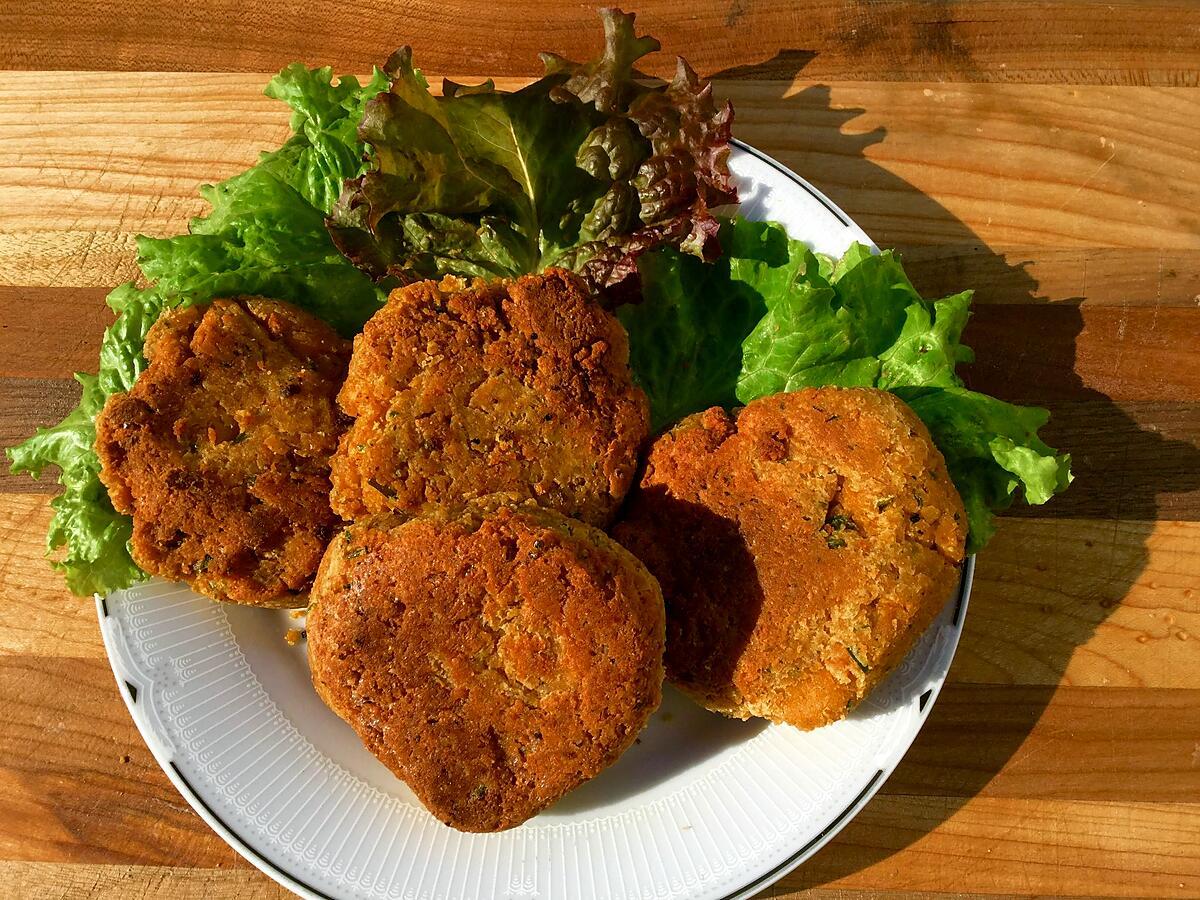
(1047, 154)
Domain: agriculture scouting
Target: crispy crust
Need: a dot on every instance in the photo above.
(520, 387)
(220, 452)
(802, 543)
(492, 661)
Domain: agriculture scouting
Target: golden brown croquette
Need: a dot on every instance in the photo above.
(220, 452)
(493, 660)
(520, 387)
(802, 543)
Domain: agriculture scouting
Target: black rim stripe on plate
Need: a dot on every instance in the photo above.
(795, 179)
(761, 881)
(261, 861)
(960, 605)
(795, 858)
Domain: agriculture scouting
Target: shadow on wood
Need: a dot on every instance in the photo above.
(966, 743)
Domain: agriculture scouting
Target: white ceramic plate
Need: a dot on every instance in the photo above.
(702, 807)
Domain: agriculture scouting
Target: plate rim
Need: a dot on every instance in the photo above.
(129, 691)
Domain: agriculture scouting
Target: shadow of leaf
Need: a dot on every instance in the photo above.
(1134, 464)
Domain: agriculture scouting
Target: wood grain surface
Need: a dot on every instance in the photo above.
(1047, 154)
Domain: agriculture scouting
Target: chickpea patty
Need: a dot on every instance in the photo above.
(802, 543)
(493, 661)
(220, 452)
(519, 387)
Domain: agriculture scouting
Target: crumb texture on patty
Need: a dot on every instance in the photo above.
(220, 452)
(802, 543)
(461, 392)
(492, 661)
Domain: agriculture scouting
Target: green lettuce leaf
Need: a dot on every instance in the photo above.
(261, 237)
(585, 169)
(324, 149)
(853, 322)
(94, 534)
(686, 331)
(992, 450)
(265, 234)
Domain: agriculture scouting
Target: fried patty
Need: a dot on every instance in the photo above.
(220, 452)
(802, 543)
(520, 387)
(493, 661)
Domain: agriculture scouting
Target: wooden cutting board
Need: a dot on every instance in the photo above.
(1047, 155)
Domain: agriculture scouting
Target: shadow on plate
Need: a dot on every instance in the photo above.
(680, 738)
(1129, 469)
